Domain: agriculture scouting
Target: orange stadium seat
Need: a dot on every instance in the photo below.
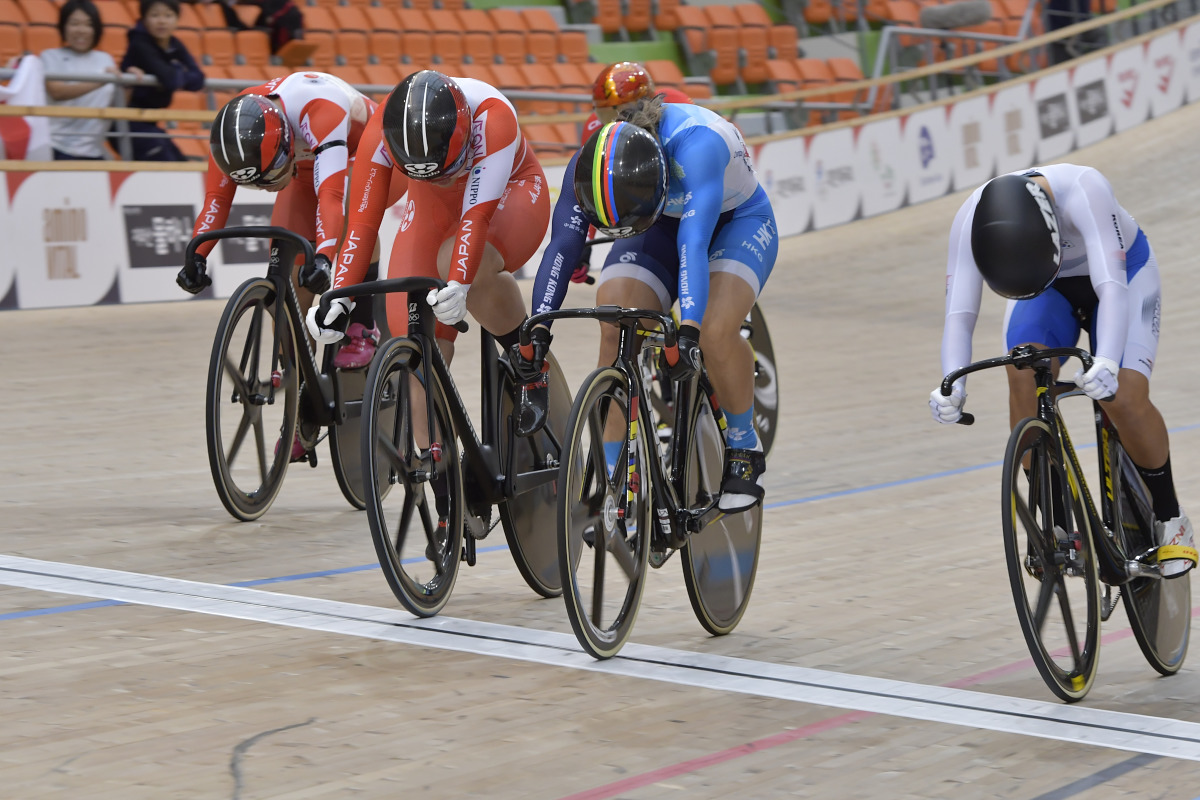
(698, 91)
(381, 74)
(507, 20)
(752, 15)
(422, 5)
(192, 41)
(540, 78)
(479, 72)
(782, 75)
(818, 12)
(317, 18)
(544, 138)
(40, 12)
(721, 16)
(190, 138)
(608, 16)
(508, 78)
(666, 17)
(441, 20)
(351, 18)
(112, 41)
(639, 16)
(11, 45)
(665, 73)
(325, 56)
(572, 78)
(542, 46)
(218, 46)
(448, 49)
(381, 18)
(539, 19)
(573, 47)
(413, 20)
(188, 18)
(784, 41)
(247, 14)
(993, 27)
(510, 47)
(416, 48)
(352, 47)
(211, 14)
(253, 47)
(475, 20)
(478, 48)
(384, 46)
(453, 5)
(724, 42)
(692, 30)
(259, 73)
(39, 38)
(350, 73)
(114, 12)
(568, 133)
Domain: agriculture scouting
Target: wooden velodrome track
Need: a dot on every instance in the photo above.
(155, 648)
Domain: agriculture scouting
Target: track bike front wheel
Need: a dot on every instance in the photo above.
(418, 528)
(1051, 561)
(529, 516)
(720, 561)
(603, 519)
(1159, 610)
(252, 400)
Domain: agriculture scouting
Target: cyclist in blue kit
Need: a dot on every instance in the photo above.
(676, 186)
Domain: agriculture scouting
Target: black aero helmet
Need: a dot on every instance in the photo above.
(251, 141)
(427, 125)
(1014, 237)
(621, 179)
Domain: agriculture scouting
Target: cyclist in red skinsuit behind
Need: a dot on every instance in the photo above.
(295, 136)
(477, 205)
(617, 86)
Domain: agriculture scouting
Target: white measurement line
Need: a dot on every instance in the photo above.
(978, 710)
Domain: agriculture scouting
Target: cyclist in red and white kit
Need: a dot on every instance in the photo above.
(1055, 241)
(295, 136)
(477, 205)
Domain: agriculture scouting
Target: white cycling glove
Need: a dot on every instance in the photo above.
(449, 303)
(333, 327)
(1099, 382)
(947, 410)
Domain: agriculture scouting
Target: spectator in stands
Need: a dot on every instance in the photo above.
(77, 138)
(154, 50)
(281, 18)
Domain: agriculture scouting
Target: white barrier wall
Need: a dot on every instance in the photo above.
(87, 238)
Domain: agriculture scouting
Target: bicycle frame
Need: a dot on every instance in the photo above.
(326, 406)
(1116, 567)
(675, 519)
(491, 481)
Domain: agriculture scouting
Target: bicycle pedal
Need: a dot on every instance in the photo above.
(277, 379)
(311, 457)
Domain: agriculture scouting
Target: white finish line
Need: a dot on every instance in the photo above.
(1113, 729)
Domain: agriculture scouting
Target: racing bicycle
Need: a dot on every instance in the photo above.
(1069, 559)
(617, 520)
(417, 436)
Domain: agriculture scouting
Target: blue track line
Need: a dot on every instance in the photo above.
(363, 567)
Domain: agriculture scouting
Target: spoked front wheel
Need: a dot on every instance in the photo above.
(1051, 563)
(1159, 610)
(252, 400)
(604, 521)
(418, 528)
(720, 561)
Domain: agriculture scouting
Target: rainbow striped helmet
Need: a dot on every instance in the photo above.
(621, 179)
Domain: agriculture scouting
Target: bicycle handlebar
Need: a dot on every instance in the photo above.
(411, 284)
(613, 314)
(250, 232)
(1022, 357)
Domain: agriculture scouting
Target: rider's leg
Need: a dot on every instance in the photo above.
(728, 357)
(626, 293)
(495, 298)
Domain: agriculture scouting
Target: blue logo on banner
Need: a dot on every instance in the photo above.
(926, 141)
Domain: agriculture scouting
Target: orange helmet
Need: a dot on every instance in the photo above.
(620, 83)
